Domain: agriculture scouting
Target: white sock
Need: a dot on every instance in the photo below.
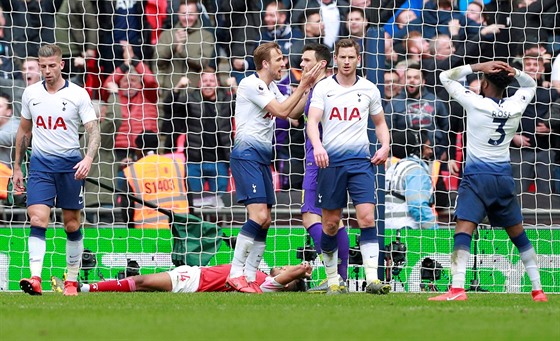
(37, 250)
(253, 260)
(84, 288)
(370, 256)
(74, 250)
(243, 247)
(529, 259)
(459, 259)
(330, 259)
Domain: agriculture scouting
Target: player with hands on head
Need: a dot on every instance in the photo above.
(188, 279)
(52, 110)
(258, 102)
(487, 188)
(341, 104)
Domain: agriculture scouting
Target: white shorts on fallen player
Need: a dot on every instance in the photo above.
(185, 279)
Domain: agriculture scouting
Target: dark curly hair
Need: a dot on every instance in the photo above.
(500, 79)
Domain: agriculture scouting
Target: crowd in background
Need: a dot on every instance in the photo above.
(172, 67)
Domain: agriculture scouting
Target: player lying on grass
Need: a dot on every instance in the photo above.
(189, 279)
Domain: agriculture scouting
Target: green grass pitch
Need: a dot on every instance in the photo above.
(279, 316)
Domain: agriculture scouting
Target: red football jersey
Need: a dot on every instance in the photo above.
(213, 278)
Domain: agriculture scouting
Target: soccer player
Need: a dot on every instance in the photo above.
(311, 214)
(487, 187)
(52, 111)
(258, 102)
(342, 104)
(189, 279)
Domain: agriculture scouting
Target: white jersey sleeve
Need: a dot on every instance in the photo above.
(491, 123)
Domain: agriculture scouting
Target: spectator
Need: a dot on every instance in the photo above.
(391, 85)
(204, 114)
(122, 24)
(532, 155)
(408, 183)
(156, 179)
(8, 129)
(76, 34)
(418, 109)
(13, 88)
(438, 17)
(332, 12)
(357, 26)
(313, 32)
(416, 47)
(555, 127)
(31, 24)
(238, 33)
(7, 64)
(276, 27)
(104, 166)
(184, 50)
(136, 90)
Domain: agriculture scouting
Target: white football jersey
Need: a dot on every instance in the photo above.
(254, 126)
(491, 123)
(56, 118)
(345, 116)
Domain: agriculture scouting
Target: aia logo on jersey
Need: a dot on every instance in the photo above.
(51, 123)
(345, 114)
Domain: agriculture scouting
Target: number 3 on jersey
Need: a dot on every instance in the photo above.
(501, 123)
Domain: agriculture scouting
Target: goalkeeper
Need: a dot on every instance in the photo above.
(189, 279)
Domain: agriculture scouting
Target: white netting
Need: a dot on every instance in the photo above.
(160, 50)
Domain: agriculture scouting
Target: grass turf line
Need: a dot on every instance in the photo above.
(281, 316)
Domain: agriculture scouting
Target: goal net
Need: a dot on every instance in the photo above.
(173, 67)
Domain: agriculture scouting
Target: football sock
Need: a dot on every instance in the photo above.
(369, 247)
(529, 259)
(74, 250)
(242, 248)
(255, 256)
(37, 248)
(330, 258)
(459, 259)
(343, 252)
(316, 231)
(123, 285)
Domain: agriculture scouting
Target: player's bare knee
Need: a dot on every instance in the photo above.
(366, 221)
(261, 218)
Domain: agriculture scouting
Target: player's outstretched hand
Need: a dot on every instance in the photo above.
(82, 168)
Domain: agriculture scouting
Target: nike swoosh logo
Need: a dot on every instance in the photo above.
(34, 104)
(330, 95)
(452, 298)
(80, 202)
